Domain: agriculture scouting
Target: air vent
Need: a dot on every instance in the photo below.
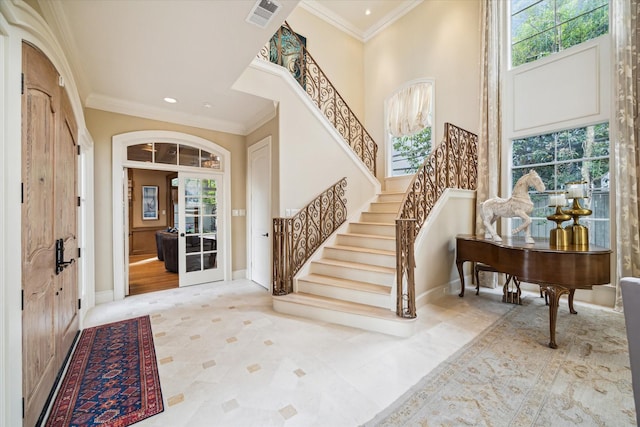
(262, 12)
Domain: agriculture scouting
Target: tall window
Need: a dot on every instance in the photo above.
(542, 27)
(409, 118)
(580, 154)
(573, 152)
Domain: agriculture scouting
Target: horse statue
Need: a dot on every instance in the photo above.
(518, 205)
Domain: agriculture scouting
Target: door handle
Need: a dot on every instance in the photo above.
(265, 235)
(61, 264)
(181, 234)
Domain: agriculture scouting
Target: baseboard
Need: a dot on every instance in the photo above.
(104, 297)
(239, 274)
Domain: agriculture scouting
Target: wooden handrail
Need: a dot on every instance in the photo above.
(452, 164)
(287, 50)
(296, 238)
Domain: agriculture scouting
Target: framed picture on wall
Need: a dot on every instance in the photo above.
(149, 202)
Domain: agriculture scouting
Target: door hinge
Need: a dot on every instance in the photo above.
(78, 252)
(22, 192)
(78, 201)
(79, 303)
(22, 84)
(22, 303)
(23, 407)
(78, 150)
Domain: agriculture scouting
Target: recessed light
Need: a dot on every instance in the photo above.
(206, 105)
(170, 100)
(367, 12)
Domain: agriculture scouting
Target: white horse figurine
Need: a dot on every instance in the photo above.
(518, 205)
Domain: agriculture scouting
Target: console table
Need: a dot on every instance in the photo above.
(558, 270)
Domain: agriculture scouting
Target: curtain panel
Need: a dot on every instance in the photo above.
(409, 110)
(490, 134)
(625, 35)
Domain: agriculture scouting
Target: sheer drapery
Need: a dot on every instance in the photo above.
(490, 135)
(626, 34)
(409, 110)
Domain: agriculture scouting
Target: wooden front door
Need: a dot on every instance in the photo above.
(49, 209)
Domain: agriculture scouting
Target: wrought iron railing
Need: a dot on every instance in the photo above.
(296, 238)
(452, 164)
(287, 49)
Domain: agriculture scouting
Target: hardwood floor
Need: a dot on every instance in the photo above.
(147, 274)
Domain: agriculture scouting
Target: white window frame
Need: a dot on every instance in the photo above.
(601, 100)
(387, 136)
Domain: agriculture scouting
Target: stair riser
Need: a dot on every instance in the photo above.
(360, 257)
(367, 242)
(399, 329)
(389, 218)
(380, 230)
(391, 197)
(384, 207)
(345, 294)
(353, 274)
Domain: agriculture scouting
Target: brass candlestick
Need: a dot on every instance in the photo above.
(579, 233)
(559, 237)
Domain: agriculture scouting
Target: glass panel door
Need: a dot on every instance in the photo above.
(199, 258)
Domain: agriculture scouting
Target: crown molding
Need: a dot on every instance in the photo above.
(316, 8)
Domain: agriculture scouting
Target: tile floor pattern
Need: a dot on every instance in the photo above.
(227, 359)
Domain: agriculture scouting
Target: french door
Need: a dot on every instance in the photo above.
(200, 258)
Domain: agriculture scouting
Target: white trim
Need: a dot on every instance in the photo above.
(239, 274)
(387, 135)
(276, 70)
(104, 297)
(18, 23)
(118, 162)
(265, 142)
(317, 9)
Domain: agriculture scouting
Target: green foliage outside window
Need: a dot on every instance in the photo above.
(409, 152)
(580, 154)
(542, 27)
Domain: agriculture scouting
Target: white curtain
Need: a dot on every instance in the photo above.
(409, 110)
(625, 138)
(490, 135)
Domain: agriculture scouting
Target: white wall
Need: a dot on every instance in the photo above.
(339, 55)
(440, 40)
(312, 155)
(435, 248)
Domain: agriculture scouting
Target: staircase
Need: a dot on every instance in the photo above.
(352, 283)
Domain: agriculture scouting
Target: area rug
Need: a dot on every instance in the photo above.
(508, 376)
(112, 379)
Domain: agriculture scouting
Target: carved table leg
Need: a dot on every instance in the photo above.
(461, 273)
(571, 310)
(554, 293)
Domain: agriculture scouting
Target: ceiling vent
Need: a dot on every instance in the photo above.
(262, 12)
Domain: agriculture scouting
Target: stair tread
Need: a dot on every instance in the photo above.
(355, 265)
(362, 249)
(373, 223)
(340, 305)
(346, 283)
(370, 236)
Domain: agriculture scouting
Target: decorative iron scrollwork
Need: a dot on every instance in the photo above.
(296, 238)
(288, 50)
(452, 164)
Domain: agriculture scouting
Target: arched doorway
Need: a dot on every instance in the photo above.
(204, 236)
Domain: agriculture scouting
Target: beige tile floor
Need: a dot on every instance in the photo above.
(226, 358)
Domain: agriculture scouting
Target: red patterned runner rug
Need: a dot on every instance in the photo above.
(112, 379)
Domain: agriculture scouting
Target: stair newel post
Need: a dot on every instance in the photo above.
(405, 268)
(278, 257)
